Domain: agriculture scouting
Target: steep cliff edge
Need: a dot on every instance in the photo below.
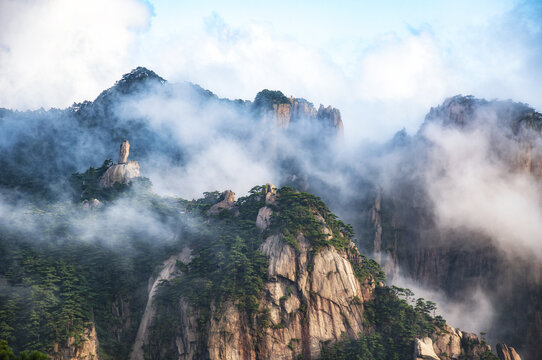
(289, 111)
(277, 277)
(168, 267)
(306, 298)
(84, 347)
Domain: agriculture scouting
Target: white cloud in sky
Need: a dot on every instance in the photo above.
(55, 52)
(398, 69)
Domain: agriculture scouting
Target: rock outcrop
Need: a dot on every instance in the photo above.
(228, 203)
(120, 173)
(310, 298)
(307, 308)
(507, 353)
(86, 348)
(331, 117)
(284, 111)
(264, 214)
(91, 204)
(452, 344)
(423, 349)
(168, 268)
(123, 171)
(124, 152)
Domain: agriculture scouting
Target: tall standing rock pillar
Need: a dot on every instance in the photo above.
(124, 152)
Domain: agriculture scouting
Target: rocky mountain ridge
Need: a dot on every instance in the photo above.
(92, 128)
(397, 223)
(310, 299)
(405, 232)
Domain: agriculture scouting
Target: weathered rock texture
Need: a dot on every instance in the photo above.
(299, 110)
(264, 214)
(312, 298)
(123, 171)
(120, 173)
(166, 273)
(423, 349)
(85, 349)
(453, 344)
(124, 152)
(228, 203)
(507, 353)
(307, 308)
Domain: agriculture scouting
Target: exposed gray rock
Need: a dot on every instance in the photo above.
(311, 298)
(284, 114)
(85, 347)
(448, 342)
(123, 171)
(451, 343)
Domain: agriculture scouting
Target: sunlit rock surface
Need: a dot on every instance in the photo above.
(123, 171)
(120, 173)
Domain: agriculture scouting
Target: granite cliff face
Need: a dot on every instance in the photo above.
(289, 111)
(451, 343)
(507, 353)
(312, 296)
(84, 348)
(165, 274)
(305, 311)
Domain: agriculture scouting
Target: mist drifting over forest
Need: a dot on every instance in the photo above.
(375, 118)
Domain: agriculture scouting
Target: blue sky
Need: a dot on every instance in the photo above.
(383, 63)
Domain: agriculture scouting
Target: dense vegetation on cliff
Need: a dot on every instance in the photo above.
(57, 282)
(226, 265)
(65, 266)
(69, 266)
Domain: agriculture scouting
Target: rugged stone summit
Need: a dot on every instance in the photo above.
(123, 171)
(286, 111)
(465, 111)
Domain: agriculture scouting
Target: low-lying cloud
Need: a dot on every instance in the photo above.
(474, 188)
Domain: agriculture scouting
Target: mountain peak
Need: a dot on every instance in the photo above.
(132, 80)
